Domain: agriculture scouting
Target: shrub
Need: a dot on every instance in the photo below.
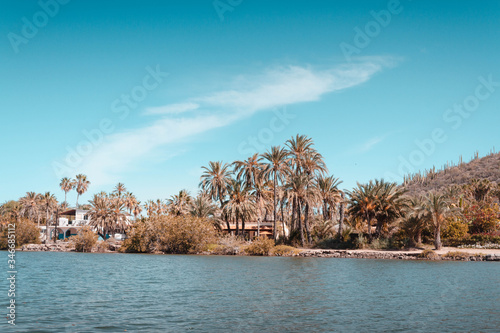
(85, 240)
(380, 244)
(284, 250)
(428, 254)
(260, 247)
(483, 218)
(102, 246)
(361, 242)
(170, 234)
(455, 229)
(26, 233)
(458, 254)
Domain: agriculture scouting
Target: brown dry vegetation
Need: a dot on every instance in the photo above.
(487, 167)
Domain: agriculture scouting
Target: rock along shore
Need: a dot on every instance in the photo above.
(308, 253)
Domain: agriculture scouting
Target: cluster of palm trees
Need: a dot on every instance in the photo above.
(39, 207)
(80, 183)
(289, 183)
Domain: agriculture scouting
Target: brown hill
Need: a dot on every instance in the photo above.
(487, 167)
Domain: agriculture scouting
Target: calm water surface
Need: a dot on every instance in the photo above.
(76, 292)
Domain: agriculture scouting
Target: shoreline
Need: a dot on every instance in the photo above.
(446, 253)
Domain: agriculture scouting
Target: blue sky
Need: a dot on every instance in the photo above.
(163, 87)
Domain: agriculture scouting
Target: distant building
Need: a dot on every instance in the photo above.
(69, 224)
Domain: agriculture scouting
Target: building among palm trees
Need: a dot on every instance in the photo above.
(71, 221)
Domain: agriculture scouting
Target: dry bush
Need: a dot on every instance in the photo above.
(262, 246)
(26, 233)
(170, 234)
(85, 240)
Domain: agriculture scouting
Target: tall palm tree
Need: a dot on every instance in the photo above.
(304, 194)
(277, 168)
(31, 206)
(214, 181)
(49, 204)
(119, 189)
(439, 208)
(298, 147)
(99, 213)
(130, 201)
(82, 185)
(67, 184)
(250, 170)
(240, 205)
(329, 193)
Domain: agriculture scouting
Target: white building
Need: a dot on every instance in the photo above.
(69, 224)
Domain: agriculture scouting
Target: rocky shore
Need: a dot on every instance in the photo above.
(317, 253)
(414, 255)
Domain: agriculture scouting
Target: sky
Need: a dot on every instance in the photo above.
(147, 92)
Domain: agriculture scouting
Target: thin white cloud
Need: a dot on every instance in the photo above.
(123, 151)
(172, 109)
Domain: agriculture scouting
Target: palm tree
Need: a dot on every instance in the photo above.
(49, 204)
(439, 208)
(99, 213)
(119, 189)
(82, 185)
(130, 201)
(179, 204)
(214, 181)
(277, 167)
(239, 205)
(202, 206)
(67, 184)
(329, 193)
(250, 170)
(303, 193)
(30, 206)
(391, 204)
(298, 148)
(364, 203)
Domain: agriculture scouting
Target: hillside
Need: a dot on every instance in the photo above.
(487, 167)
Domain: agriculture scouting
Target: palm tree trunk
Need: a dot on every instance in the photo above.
(225, 217)
(77, 196)
(437, 235)
(283, 218)
(47, 226)
(258, 225)
(294, 216)
(306, 223)
(325, 210)
(274, 207)
(302, 241)
(243, 227)
(237, 226)
(341, 218)
(368, 219)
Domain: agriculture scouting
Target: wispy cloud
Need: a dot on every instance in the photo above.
(172, 109)
(185, 119)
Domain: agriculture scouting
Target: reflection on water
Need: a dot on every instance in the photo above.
(76, 292)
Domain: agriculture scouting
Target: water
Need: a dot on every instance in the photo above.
(76, 292)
